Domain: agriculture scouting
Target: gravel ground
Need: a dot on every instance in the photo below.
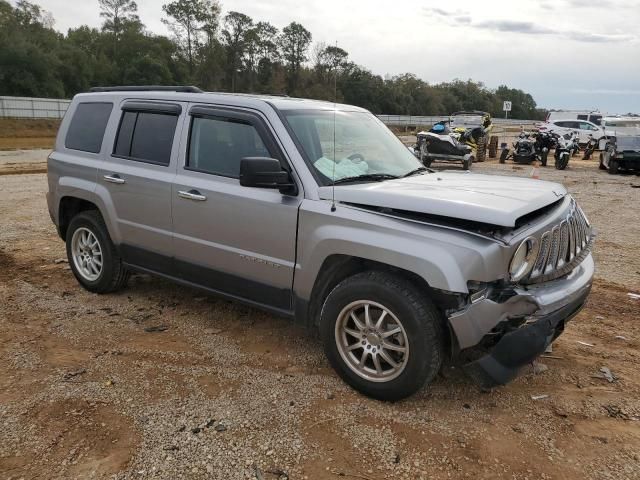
(23, 161)
(228, 392)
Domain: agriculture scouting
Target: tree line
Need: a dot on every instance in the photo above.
(230, 52)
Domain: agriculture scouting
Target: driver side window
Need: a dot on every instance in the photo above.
(216, 145)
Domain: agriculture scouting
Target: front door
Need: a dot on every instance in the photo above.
(238, 240)
(138, 173)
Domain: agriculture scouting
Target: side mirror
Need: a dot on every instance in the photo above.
(262, 172)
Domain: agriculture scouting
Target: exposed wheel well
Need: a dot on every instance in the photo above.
(69, 208)
(337, 268)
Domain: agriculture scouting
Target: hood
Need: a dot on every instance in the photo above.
(491, 199)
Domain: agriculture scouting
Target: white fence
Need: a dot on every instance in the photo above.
(419, 121)
(26, 107)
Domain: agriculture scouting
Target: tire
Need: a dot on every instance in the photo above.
(481, 149)
(420, 333)
(112, 275)
(424, 156)
(613, 166)
(503, 155)
(543, 158)
(562, 161)
(466, 164)
(601, 165)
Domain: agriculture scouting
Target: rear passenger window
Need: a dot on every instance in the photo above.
(217, 145)
(145, 136)
(87, 127)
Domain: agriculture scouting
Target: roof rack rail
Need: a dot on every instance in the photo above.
(148, 88)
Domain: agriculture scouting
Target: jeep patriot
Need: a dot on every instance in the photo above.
(317, 212)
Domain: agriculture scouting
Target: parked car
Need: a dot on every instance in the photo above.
(317, 212)
(583, 128)
(592, 116)
(622, 152)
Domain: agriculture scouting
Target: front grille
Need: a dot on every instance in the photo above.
(562, 247)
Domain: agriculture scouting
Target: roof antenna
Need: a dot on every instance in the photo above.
(335, 102)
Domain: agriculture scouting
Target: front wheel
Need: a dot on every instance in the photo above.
(613, 166)
(466, 163)
(382, 335)
(601, 166)
(92, 256)
(562, 160)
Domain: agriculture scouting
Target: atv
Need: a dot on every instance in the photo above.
(472, 128)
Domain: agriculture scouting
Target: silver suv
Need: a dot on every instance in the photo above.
(317, 212)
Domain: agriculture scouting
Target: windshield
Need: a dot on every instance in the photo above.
(628, 143)
(363, 145)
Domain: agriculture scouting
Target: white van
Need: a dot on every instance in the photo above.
(594, 117)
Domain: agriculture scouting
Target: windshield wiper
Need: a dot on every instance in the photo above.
(417, 171)
(378, 177)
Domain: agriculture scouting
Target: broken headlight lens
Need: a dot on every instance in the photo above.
(524, 259)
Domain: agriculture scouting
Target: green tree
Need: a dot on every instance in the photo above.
(237, 35)
(116, 13)
(294, 44)
(189, 19)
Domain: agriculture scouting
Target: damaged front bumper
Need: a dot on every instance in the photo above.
(504, 331)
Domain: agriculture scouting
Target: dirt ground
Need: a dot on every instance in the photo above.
(89, 390)
(16, 133)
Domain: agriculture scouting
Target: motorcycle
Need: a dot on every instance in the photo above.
(591, 147)
(529, 148)
(564, 149)
(545, 142)
(575, 145)
(438, 144)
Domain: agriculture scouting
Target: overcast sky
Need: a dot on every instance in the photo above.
(566, 53)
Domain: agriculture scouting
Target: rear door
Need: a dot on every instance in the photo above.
(587, 129)
(138, 173)
(237, 240)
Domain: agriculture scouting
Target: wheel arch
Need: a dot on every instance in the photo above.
(76, 202)
(339, 267)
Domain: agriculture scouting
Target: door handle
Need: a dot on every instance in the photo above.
(192, 195)
(114, 178)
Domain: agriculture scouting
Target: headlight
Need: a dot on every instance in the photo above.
(524, 259)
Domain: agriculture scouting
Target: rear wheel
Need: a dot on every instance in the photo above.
(424, 155)
(382, 335)
(543, 158)
(503, 155)
(92, 256)
(613, 166)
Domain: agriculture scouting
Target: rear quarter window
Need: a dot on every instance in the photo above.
(87, 126)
